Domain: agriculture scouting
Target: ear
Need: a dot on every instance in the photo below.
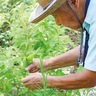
(75, 3)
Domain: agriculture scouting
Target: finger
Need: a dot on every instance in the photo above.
(29, 86)
(26, 84)
(24, 80)
(35, 70)
(30, 67)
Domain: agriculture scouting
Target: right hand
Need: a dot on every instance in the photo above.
(34, 67)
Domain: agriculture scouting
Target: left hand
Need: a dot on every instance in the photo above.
(33, 81)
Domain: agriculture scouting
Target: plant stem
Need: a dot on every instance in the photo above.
(44, 76)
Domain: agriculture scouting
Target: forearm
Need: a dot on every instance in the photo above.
(72, 81)
(67, 59)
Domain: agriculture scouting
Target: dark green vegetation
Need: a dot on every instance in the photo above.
(20, 42)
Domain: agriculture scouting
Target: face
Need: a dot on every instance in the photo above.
(66, 18)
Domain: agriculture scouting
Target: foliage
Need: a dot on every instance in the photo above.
(21, 42)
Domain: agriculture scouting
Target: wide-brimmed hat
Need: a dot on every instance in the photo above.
(44, 8)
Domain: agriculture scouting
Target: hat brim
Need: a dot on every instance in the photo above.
(39, 13)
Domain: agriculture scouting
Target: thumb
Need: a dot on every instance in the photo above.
(29, 67)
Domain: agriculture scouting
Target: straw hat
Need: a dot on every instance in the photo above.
(44, 8)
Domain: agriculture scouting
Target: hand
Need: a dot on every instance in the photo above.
(33, 67)
(33, 81)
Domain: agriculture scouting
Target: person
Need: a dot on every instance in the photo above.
(70, 13)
